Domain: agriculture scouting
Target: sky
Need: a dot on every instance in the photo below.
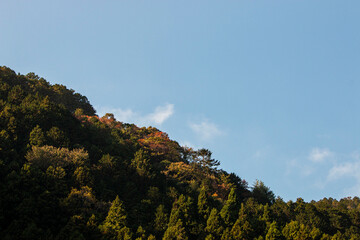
(270, 87)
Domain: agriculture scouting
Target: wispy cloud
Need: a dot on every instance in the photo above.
(299, 167)
(319, 155)
(161, 114)
(347, 170)
(157, 117)
(206, 130)
(335, 167)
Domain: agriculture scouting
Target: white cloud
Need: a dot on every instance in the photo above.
(126, 115)
(158, 117)
(161, 114)
(318, 155)
(206, 130)
(330, 173)
(349, 169)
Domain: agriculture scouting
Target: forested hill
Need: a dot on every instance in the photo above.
(67, 173)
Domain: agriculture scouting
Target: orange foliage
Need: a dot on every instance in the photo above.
(159, 144)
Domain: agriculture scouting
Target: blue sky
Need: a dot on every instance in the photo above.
(270, 87)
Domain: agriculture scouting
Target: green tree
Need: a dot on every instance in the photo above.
(115, 221)
(141, 163)
(161, 219)
(203, 204)
(175, 232)
(226, 234)
(262, 193)
(37, 137)
(57, 137)
(229, 210)
(242, 228)
(296, 231)
(213, 225)
(202, 157)
(273, 232)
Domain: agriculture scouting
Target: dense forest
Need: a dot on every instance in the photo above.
(67, 173)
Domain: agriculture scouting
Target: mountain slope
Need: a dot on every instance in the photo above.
(68, 174)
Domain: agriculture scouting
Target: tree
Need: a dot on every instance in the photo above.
(262, 193)
(202, 157)
(213, 224)
(273, 232)
(37, 137)
(296, 231)
(203, 204)
(175, 232)
(141, 163)
(229, 210)
(115, 221)
(57, 138)
(242, 228)
(161, 219)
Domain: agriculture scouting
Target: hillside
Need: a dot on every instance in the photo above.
(67, 173)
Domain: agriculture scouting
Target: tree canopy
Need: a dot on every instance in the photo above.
(67, 173)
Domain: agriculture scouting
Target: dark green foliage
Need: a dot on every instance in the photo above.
(141, 164)
(115, 222)
(262, 193)
(161, 220)
(230, 209)
(175, 231)
(66, 173)
(273, 233)
(242, 228)
(37, 137)
(214, 225)
(203, 204)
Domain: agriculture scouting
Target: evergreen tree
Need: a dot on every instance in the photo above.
(161, 219)
(116, 219)
(242, 228)
(229, 210)
(273, 233)
(295, 230)
(175, 232)
(262, 193)
(203, 204)
(213, 225)
(37, 137)
(57, 137)
(226, 234)
(141, 164)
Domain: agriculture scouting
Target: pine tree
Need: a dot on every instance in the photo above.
(141, 163)
(161, 219)
(175, 232)
(229, 210)
(213, 225)
(242, 228)
(37, 137)
(226, 234)
(273, 232)
(203, 204)
(116, 219)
